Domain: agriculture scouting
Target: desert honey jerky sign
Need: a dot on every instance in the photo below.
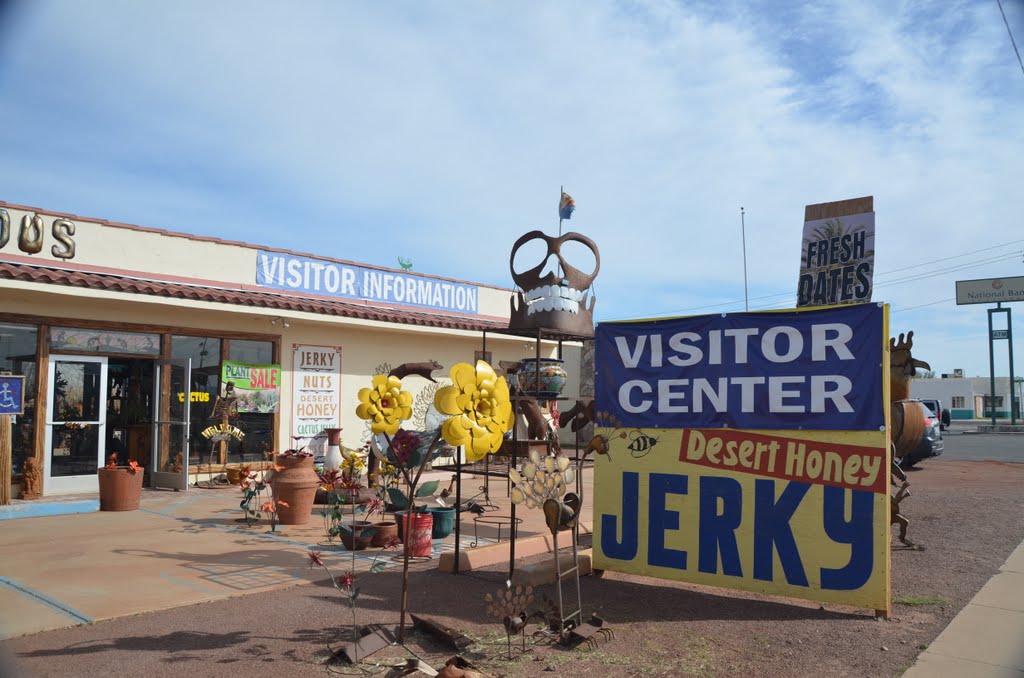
(747, 451)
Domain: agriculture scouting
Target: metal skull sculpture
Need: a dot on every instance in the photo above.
(560, 299)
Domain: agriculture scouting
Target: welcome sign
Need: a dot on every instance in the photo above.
(738, 468)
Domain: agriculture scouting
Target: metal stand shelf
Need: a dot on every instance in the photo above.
(539, 335)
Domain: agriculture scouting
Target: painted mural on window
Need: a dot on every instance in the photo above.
(104, 341)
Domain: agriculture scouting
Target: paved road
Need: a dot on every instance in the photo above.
(961, 446)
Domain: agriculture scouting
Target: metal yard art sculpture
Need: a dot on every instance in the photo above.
(542, 483)
(906, 421)
(509, 605)
(554, 294)
(479, 413)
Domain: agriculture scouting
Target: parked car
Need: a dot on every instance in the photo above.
(936, 407)
(931, 443)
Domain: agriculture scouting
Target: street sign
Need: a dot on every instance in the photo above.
(1000, 334)
(989, 290)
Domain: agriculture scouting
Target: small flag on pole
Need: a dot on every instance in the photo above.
(566, 206)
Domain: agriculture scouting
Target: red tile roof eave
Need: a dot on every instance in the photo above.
(113, 283)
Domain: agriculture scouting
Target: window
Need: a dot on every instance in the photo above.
(104, 341)
(257, 426)
(251, 352)
(202, 392)
(958, 402)
(18, 356)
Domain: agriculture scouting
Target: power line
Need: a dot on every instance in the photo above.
(931, 303)
(785, 303)
(1012, 41)
(955, 256)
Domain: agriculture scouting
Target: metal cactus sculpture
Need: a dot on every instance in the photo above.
(906, 421)
(906, 416)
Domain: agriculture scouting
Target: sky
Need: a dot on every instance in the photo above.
(440, 132)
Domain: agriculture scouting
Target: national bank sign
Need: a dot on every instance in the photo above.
(989, 290)
(328, 278)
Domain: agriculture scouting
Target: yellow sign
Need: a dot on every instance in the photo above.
(793, 513)
(195, 397)
(222, 432)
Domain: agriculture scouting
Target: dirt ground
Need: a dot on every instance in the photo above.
(969, 516)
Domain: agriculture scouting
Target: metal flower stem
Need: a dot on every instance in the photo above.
(412, 483)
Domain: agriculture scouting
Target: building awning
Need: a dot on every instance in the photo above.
(108, 282)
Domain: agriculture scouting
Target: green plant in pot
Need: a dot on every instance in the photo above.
(343, 487)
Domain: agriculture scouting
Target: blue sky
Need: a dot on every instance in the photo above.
(440, 132)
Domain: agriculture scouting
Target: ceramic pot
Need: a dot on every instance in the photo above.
(385, 529)
(234, 475)
(444, 521)
(120, 488)
(332, 458)
(552, 377)
(414, 529)
(360, 537)
(295, 484)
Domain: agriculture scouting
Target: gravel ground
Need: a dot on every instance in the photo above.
(969, 516)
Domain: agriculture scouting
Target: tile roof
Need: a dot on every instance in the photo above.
(281, 302)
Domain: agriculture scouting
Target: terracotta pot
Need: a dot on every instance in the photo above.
(385, 530)
(234, 475)
(414, 529)
(295, 484)
(120, 488)
(360, 537)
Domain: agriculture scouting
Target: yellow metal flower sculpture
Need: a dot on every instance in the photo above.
(385, 404)
(481, 410)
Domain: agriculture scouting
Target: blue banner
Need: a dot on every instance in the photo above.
(817, 369)
(330, 278)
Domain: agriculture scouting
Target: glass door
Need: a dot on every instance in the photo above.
(171, 429)
(75, 428)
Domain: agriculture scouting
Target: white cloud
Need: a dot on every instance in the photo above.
(442, 133)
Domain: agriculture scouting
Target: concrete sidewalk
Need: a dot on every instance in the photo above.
(986, 639)
(185, 548)
(180, 548)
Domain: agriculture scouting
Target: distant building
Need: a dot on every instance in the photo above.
(968, 397)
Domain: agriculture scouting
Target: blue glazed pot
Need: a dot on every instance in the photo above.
(444, 521)
(552, 377)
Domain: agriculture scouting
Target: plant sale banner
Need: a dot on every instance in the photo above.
(257, 387)
(747, 451)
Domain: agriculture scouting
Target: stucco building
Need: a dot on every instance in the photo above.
(125, 334)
